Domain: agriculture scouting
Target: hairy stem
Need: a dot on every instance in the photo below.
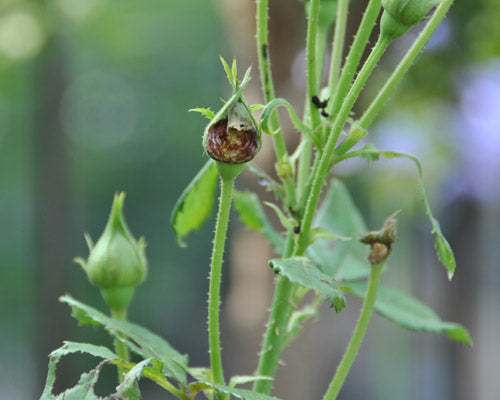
(326, 156)
(215, 279)
(276, 327)
(121, 348)
(358, 334)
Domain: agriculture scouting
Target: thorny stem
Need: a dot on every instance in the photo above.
(358, 334)
(280, 310)
(121, 348)
(215, 279)
(326, 156)
(269, 93)
(276, 327)
(405, 64)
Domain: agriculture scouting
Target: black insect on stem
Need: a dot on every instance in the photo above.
(321, 105)
(296, 229)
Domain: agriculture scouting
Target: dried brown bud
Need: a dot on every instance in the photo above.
(231, 145)
(381, 241)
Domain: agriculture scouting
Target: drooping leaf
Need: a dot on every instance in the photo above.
(128, 388)
(138, 339)
(340, 259)
(242, 394)
(242, 379)
(196, 202)
(287, 223)
(305, 272)
(443, 248)
(253, 216)
(298, 320)
(409, 312)
(84, 388)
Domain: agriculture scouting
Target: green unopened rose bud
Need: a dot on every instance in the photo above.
(116, 263)
(400, 15)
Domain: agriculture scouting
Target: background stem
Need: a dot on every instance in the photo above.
(354, 56)
(405, 64)
(266, 79)
(358, 334)
(215, 279)
(337, 45)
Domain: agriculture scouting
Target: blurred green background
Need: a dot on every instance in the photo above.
(93, 99)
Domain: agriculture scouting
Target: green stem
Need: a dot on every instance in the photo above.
(358, 334)
(215, 279)
(354, 56)
(121, 348)
(276, 327)
(326, 156)
(312, 78)
(337, 45)
(405, 64)
(266, 79)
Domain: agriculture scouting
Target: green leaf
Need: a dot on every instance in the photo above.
(207, 112)
(287, 223)
(196, 202)
(408, 312)
(242, 379)
(84, 388)
(252, 215)
(321, 232)
(128, 388)
(229, 73)
(137, 338)
(443, 248)
(303, 271)
(255, 107)
(340, 259)
(298, 320)
(242, 394)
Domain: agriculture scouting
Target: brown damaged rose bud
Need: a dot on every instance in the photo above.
(381, 241)
(234, 139)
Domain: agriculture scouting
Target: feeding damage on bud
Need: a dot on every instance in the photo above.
(381, 241)
(116, 263)
(234, 139)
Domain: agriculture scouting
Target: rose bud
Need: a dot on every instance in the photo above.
(400, 15)
(116, 263)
